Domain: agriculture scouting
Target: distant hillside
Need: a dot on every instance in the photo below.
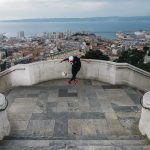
(138, 18)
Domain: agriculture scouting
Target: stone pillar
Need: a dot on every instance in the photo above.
(144, 124)
(4, 123)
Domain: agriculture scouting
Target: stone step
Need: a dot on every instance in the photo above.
(112, 148)
(75, 145)
(22, 136)
(80, 148)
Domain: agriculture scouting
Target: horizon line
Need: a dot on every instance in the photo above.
(19, 19)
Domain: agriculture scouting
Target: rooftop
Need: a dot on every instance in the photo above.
(52, 115)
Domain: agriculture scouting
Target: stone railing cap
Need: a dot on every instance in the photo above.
(146, 99)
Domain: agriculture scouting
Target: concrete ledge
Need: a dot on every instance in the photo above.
(110, 72)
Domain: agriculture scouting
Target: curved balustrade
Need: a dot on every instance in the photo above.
(110, 72)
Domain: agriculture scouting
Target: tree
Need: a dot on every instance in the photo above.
(145, 49)
(145, 67)
(134, 57)
(95, 54)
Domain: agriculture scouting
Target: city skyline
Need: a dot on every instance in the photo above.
(26, 9)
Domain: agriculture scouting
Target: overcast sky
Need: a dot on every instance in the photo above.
(21, 9)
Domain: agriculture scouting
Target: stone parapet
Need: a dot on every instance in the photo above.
(110, 72)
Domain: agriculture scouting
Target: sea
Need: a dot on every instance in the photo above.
(104, 28)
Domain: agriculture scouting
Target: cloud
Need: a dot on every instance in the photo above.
(17, 9)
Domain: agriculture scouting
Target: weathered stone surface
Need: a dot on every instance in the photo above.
(74, 128)
(101, 127)
(19, 125)
(88, 128)
(106, 105)
(83, 113)
(41, 127)
(19, 116)
(62, 107)
(23, 105)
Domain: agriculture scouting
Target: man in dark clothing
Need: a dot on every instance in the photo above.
(76, 65)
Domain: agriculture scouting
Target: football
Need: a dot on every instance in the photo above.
(64, 74)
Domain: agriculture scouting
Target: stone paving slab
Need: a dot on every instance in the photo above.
(97, 83)
(90, 110)
(108, 86)
(128, 114)
(25, 100)
(119, 96)
(19, 125)
(125, 108)
(62, 107)
(106, 105)
(52, 93)
(72, 90)
(29, 93)
(88, 128)
(41, 127)
(38, 109)
(101, 126)
(84, 106)
(22, 107)
(135, 98)
(74, 128)
(43, 95)
(19, 116)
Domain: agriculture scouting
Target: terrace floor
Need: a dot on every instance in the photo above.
(53, 115)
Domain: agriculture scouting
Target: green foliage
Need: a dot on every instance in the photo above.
(145, 67)
(134, 57)
(95, 54)
(145, 48)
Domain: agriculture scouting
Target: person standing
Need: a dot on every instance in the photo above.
(76, 65)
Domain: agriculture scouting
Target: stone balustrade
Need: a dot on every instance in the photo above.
(110, 72)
